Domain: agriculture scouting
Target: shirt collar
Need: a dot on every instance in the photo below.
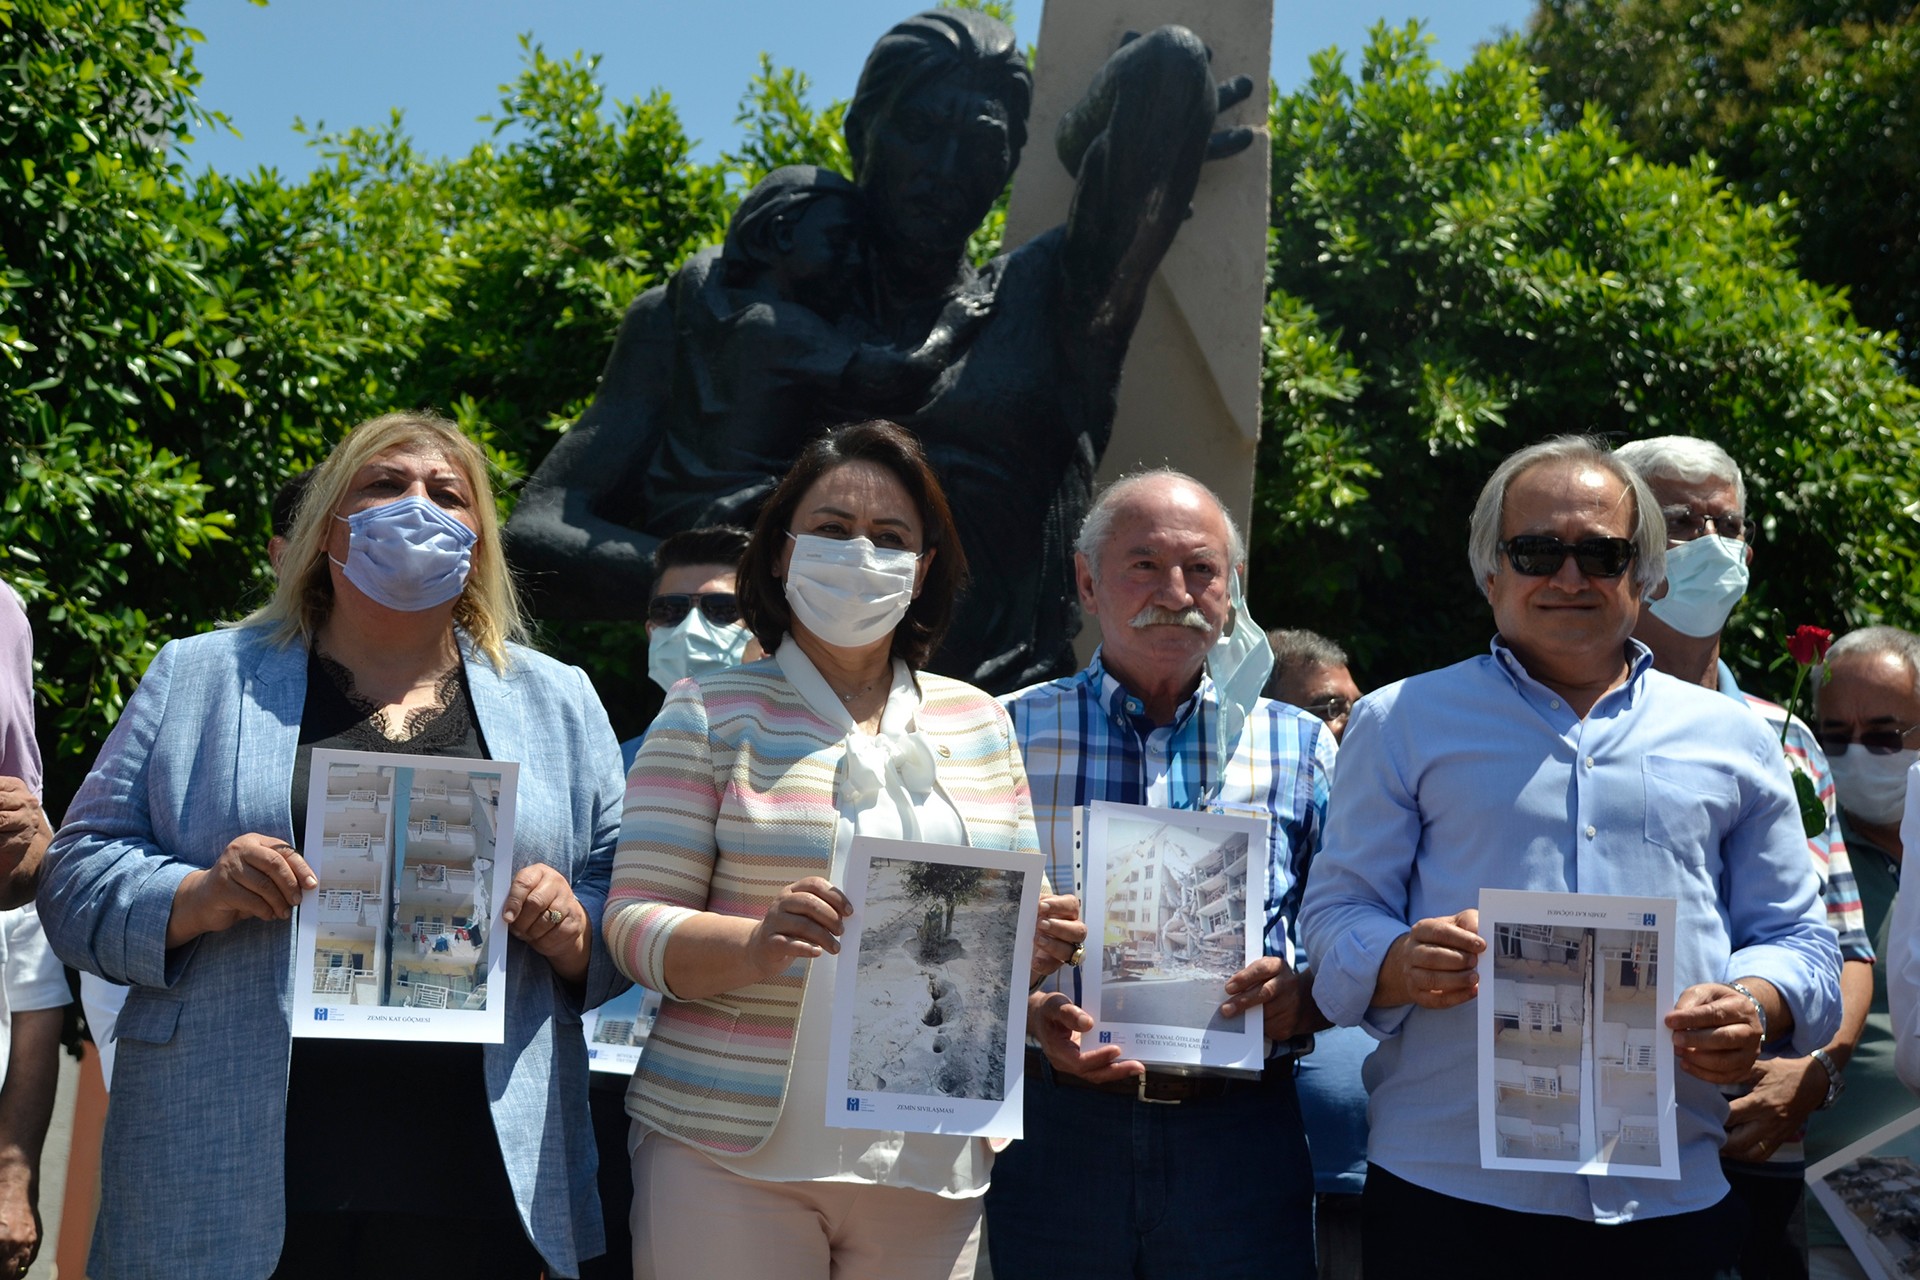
(1639, 662)
(1123, 707)
(1728, 685)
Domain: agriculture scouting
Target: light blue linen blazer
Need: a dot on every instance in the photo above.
(192, 1176)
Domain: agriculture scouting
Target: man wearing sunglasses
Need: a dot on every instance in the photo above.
(1310, 672)
(1560, 762)
(1703, 500)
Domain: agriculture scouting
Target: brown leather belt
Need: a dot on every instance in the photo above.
(1165, 1086)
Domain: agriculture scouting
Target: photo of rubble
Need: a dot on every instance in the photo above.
(1175, 921)
(1576, 1030)
(404, 904)
(1882, 1195)
(935, 967)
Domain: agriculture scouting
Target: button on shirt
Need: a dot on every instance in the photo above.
(1085, 738)
(1465, 778)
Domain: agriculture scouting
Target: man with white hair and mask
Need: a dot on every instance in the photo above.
(1150, 1173)
(1703, 501)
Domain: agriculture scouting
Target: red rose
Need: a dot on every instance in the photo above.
(1808, 645)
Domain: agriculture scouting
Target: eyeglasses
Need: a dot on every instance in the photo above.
(1539, 555)
(1330, 708)
(721, 607)
(1683, 525)
(1878, 742)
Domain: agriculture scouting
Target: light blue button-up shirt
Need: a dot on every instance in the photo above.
(1478, 776)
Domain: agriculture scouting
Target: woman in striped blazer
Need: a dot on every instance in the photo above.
(739, 812)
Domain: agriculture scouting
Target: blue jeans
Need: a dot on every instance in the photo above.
(1104, 1185)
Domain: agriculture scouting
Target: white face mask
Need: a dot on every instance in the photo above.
(1705, 579)
(695, 647)
(1238, 664)
(1872, 788)
(408, 555)
(849, 592)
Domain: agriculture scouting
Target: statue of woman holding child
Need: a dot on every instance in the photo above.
(834, 301)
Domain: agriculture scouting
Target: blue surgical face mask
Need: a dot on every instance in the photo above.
(1238, 665)
(695, 647)
(1705, 579)
(408, 555)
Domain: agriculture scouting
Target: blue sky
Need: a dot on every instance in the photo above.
(348, 62)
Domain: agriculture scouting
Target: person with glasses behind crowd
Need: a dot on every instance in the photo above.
(740, 811)
(1866, 714)
(1703, 500)
(1310, 672)
(232, 1150)
(693, 628)
(1560, 762)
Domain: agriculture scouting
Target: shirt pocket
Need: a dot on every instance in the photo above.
(1688, 802)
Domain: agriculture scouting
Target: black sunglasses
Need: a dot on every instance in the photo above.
(1878, 742)
(1539, 555)
(721, 607)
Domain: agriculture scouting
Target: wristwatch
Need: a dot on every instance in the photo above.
(1836, 1083)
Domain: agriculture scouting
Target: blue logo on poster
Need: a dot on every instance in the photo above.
(1106, 1037)
(853, 1104)
(1647, 919)
(319, 1015)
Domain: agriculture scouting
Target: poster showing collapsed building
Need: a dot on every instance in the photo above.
(1575, 1066)
(1166, 893)
(930, 989)
(1871, 1190)
(617, 1031)
(401, 939)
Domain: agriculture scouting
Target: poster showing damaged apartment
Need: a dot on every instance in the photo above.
(617, 1031)
(930, 989)
(1871, 1190)
(1575, 1065)
(1166, 893)
(402, 939)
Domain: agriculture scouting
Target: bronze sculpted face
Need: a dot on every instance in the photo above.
(935, 161)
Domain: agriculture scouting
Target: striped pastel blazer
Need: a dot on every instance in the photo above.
(730, 800)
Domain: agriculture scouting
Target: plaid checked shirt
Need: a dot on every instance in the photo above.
(1085, 738)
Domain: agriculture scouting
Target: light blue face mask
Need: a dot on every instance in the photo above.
(408, 555)
(1238, 664)
(695, 647)
(1705, 579)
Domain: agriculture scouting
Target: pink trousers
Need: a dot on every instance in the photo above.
(693, 1220)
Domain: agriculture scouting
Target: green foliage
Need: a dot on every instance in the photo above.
(1811, 100)
(1453, 279)
(947, 885)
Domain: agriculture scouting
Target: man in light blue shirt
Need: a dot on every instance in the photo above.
(1559, 762)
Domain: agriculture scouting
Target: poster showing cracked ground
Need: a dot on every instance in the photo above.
(1871, 1190)
(402, 938)
(1576, 1066)
(1166, 893)
(930, 989)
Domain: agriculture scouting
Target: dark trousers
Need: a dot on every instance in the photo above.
(1219, 1188)
(1410, 1231)
(607, 1098)
(1776, 1244)
(329, 1246)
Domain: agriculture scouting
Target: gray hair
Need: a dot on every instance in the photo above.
(1649, 529)
(1871, 642)
(1685, 459)
(1297, 649)
(1098, 525)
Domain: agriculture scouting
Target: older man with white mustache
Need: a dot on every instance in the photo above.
(1162, 1174)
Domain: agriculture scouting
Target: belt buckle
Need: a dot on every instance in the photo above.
(1140, 1093)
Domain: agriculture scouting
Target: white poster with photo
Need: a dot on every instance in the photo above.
(402, 939)
(1871, 1190)
(930, 993)
(1175, 902)
(1576, 1064)
(617, 1031)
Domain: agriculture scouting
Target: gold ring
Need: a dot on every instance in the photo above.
(1079, 954)
(555, 915)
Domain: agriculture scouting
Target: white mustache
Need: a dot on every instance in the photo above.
(1154, 616)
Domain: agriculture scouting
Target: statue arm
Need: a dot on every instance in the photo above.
(1135, 144)
(577, 561)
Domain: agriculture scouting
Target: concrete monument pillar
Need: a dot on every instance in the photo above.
(1190, 394)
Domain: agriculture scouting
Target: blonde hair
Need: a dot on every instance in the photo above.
(488, 610)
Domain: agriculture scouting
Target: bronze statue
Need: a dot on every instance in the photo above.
(832, 302)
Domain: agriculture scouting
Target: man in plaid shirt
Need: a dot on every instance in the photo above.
(1164, 1174)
